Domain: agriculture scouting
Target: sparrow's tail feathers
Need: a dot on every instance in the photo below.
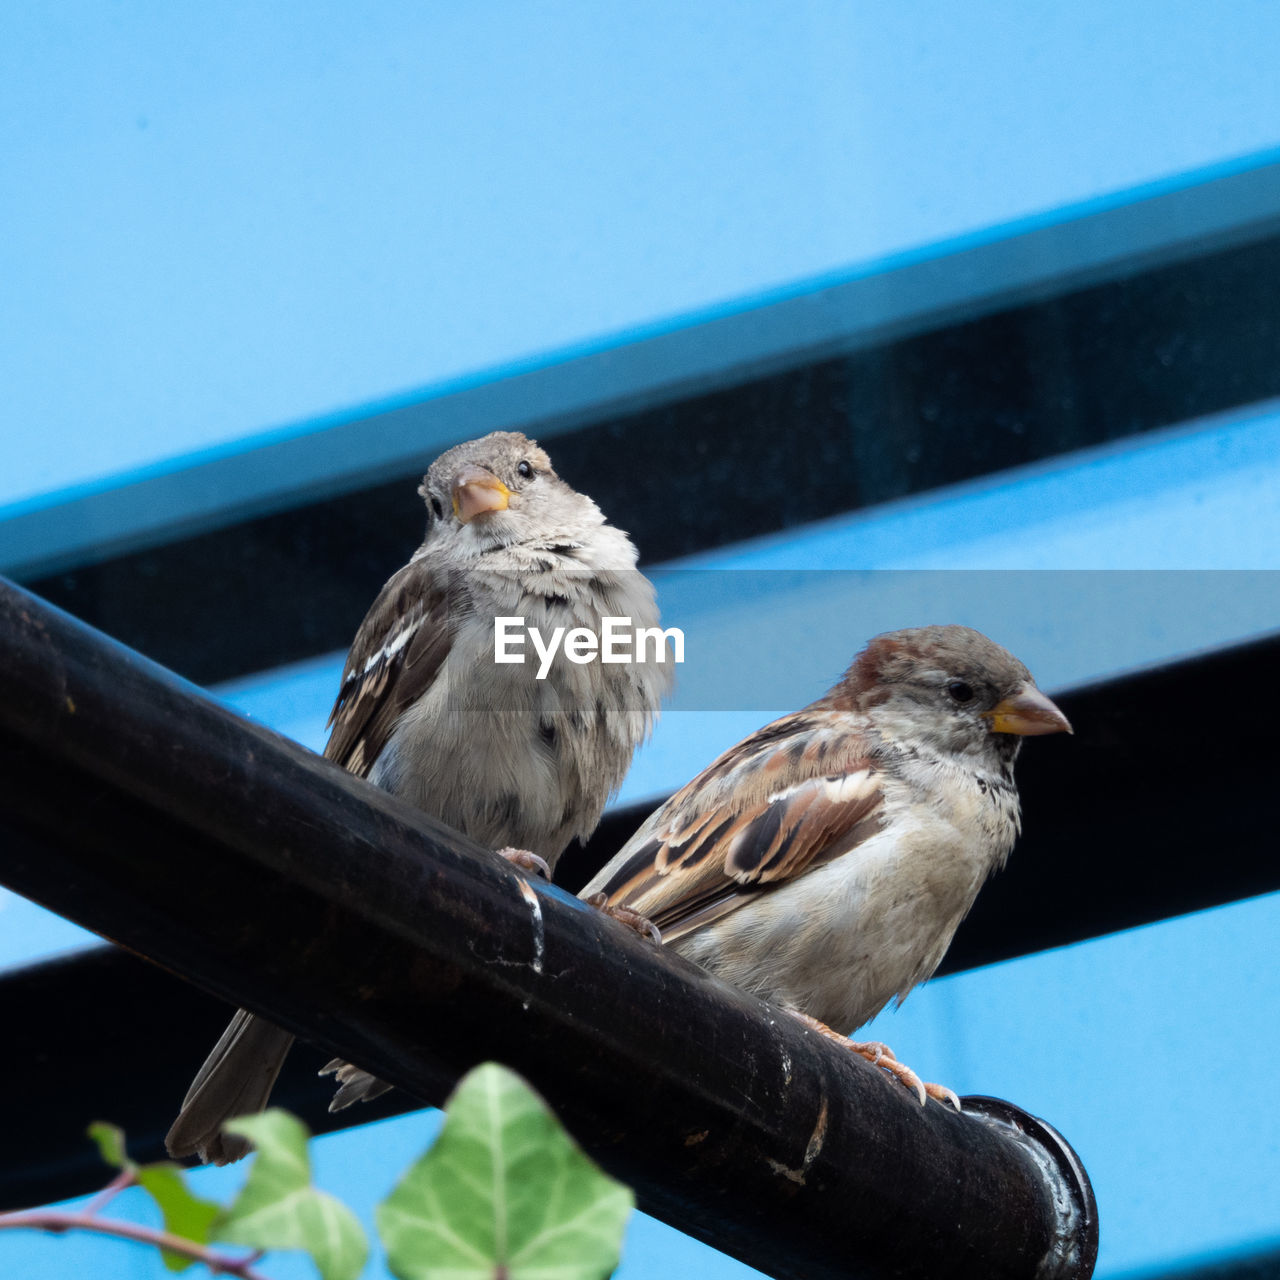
(354, 1085)
(236, 1080)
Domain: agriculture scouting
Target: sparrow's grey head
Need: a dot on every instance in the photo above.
(952, 690)
(499, 491)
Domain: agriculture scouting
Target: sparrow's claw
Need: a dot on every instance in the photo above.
(940, 1093)
(879, 1054)
(624, 915)
(528, 862)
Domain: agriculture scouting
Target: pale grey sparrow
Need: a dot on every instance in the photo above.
(426, 712)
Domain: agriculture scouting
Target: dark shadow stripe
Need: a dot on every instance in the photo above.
(1155, 348)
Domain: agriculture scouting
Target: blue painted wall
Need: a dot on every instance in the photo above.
(224, 219)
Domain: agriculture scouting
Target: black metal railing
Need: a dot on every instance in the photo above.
(139, 807)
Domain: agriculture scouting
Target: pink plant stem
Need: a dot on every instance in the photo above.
(56, 1220)
(125, 1179)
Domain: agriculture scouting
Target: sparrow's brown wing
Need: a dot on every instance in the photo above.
(397, 653)
(789, 798)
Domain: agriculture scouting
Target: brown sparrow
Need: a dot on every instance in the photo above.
(508, 756)
(825, 862)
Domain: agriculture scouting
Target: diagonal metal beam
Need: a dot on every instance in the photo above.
(139, 807)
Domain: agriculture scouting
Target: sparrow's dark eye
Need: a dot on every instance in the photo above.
(437, 508)
(959, 691)
(526, 470)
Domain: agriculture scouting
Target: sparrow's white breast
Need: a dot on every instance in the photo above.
(510, 759)
(839, 942)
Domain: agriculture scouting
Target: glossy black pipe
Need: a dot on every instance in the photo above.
(140, 808)
(1134, 737)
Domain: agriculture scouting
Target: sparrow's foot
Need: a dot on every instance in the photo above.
(624, 915)
(879, 1054)
(940, 1093)
(528, 862)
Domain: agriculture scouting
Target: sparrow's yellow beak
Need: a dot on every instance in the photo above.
(1027, 712)
(476, 490)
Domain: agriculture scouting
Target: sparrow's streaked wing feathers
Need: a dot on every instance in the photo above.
(395, 657)
(736, 829)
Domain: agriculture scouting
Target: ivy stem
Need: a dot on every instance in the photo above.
(123, 1180)
(57, 1220)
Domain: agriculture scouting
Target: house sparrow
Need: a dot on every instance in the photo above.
(426, 712)
(825, 862)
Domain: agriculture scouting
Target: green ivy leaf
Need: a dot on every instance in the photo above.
(109, 1139)
(504, 1194)
(185, 1215)
(278, 1208)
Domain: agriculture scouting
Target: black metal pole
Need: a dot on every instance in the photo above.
(139, 807)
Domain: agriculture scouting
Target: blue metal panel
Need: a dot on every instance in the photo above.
(218, 225)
